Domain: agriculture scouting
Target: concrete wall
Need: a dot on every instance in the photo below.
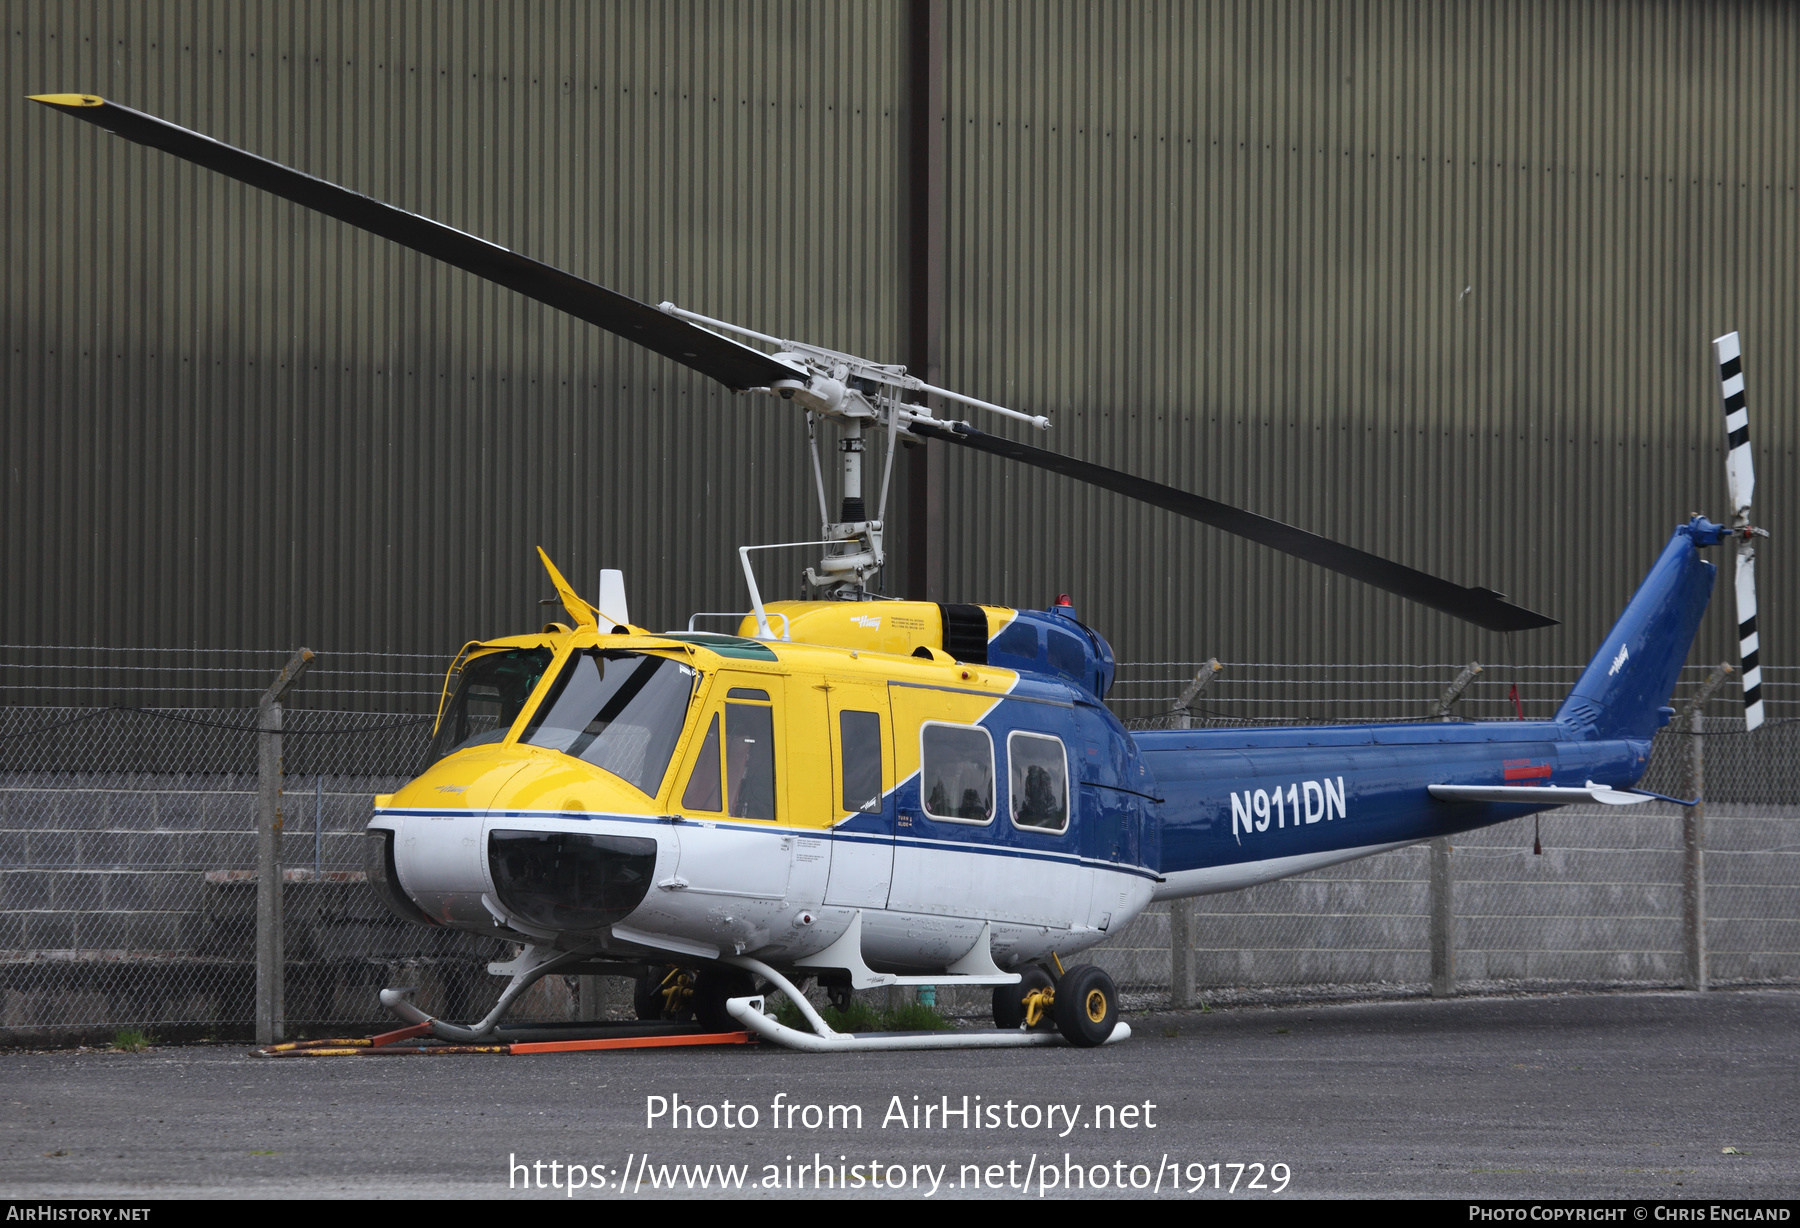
(131, 902)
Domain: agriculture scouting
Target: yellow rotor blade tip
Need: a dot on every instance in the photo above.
(68, 100)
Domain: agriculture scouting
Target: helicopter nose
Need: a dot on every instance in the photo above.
(570, 881)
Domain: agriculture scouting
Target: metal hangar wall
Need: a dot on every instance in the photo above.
(1436, 278)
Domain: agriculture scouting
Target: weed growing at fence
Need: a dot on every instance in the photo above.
(861, 1017)
(130, 1040)
(915, 1017)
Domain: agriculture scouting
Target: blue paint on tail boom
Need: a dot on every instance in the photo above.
(1239, 806)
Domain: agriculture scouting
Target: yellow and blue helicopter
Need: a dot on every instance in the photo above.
(878, 792)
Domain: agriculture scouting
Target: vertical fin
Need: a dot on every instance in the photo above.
(1624, 690)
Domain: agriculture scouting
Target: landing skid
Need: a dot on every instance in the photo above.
(824, 1039)
(976, 968)
(530, 966)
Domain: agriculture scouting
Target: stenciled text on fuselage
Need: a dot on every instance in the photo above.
(1293, 805)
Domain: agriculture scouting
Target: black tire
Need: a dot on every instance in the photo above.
(1086, 1006)
(1009, 1000)
(712, 986)
(649, 1000)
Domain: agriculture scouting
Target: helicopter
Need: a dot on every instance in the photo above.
(876, 792)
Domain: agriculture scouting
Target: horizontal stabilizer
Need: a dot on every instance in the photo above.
(1538, 795)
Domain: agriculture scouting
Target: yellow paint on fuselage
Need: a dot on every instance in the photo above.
(809, 685)
(896, 627)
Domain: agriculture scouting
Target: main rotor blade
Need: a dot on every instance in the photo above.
(736, 366)
(1483, 607)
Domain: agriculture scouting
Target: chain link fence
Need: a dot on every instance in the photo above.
(1579, 896)
(128, 847)
(128, 853)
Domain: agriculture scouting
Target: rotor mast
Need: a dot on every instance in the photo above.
(855, 394)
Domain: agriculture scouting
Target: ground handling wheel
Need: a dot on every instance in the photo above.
(1012, 1003)
(712, 987)
(1086, 1006)
(664, 993)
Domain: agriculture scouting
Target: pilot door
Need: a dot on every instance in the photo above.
(734, 794)
(862, 780)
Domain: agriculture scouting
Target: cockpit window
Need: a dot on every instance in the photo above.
(621, 711)
(489, 696)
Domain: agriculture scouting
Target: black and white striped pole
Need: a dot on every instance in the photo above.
(1740, 477)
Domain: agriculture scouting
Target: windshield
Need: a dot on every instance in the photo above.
(621, 711)
(489, 696)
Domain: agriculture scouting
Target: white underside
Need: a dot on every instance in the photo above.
(1209, 880)
(723, 890)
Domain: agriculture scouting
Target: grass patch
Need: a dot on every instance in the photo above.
(915, 1017)
(130, 1040)
(861, 1017)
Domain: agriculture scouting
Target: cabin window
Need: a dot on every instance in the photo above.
(750, 760)
(489, 697)
(620, 711)
(859, 743)
(1039, 781)
(956, 772)
(703, 792)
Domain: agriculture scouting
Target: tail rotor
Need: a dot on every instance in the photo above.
(1740, 476)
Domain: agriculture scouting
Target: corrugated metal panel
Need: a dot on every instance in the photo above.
(1436, 279)
(230, 422)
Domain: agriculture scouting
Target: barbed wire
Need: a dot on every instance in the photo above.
(164, 714)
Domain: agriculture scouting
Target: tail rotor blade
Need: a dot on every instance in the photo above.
(1739, 473)
(1740, 478)
(1748, 642)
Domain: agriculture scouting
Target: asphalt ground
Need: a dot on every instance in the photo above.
(1623, 1095)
